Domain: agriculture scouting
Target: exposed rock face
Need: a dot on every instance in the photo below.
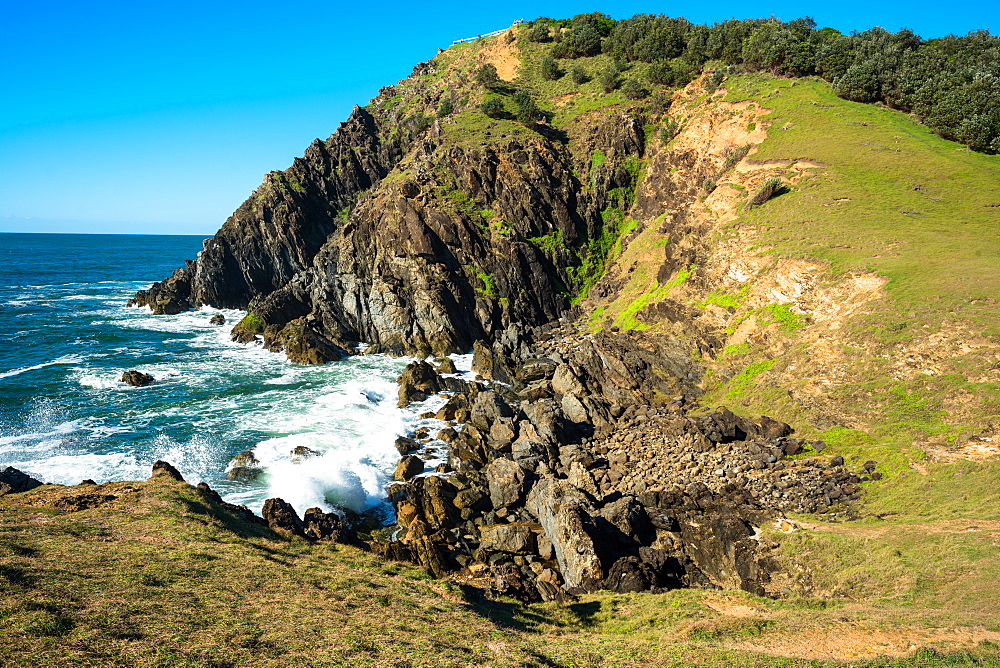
(281, 516)
(408, 239)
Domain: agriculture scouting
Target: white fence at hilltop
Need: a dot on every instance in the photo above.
(489, 34)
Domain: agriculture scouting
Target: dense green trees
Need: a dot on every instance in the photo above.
(952, 83)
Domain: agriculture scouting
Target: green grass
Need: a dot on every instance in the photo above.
(859, 210)
(161, 576)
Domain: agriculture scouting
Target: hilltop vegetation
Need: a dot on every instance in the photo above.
(950, 83)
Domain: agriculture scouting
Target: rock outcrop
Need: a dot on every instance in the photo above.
(410, 238)
(13, 481)
(583, 470)
(137, 378)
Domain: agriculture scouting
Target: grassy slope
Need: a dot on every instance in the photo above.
(896, 200)
(158, 576)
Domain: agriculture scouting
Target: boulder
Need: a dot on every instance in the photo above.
(528, 454)
(545, 416)
(446, 365)
(563, 512)
(417, 382)
(487, 408)
(322, 526)
(506, 482)
(281, 516)
(218, 319)
(565, 381)
(514, 538)
(405, 445)
(574, 409)
(539, 368)
(137, 378)
(630, 574)
(164, 469)
(772, 429)
(408, 467)
(424, 548)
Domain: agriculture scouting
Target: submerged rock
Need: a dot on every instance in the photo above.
(244, 467)
(218, 319)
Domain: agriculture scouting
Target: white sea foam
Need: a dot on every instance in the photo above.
(346, 411)
(70, 469)
(65, 359)
(58, 430)
(102, 383)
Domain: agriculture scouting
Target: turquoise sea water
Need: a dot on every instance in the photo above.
(66, 337)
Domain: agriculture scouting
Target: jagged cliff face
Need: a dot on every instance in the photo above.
(415, 236)
(414, 233)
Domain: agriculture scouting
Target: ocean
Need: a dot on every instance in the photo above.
(66, 337)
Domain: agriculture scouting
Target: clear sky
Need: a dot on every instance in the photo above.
(160, 118)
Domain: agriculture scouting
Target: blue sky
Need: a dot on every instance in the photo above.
(161, 118)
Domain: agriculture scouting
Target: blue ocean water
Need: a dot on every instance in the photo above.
(66, 337)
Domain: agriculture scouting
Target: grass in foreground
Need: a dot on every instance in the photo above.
(155, 575)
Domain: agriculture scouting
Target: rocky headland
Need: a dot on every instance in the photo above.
(653, 380)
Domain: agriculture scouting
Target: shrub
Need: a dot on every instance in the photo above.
(445, 107)
(765, 193)
(733, 155)
(609, 79)
(421, 123)
(539, 32)
(579, 74)
(661, 102)
(550, 69)
(487, 77)
(708, 185)
(660, 73)
(527, 110)
(715, 81)
(492, 107)
(633, 90)
(670, 129)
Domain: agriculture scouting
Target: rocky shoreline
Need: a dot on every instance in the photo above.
(578, 462)
(564, 476)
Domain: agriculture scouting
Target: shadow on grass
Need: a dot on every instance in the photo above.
(16, 577)
(513, 614)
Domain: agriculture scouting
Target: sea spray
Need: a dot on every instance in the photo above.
(66, 416)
